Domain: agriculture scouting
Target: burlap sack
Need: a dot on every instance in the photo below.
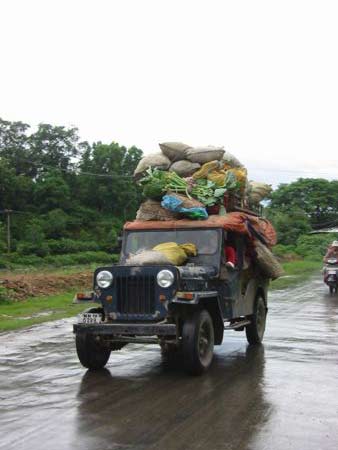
(268, 264)
(258, 191)
(202, 155)
(147, 258)
(175, 151)
(157, 160)
(152, 210)
(184, 168)
(231, 160)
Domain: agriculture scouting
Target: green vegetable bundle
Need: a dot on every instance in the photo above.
(157, 182)
(208, 193)
(154, 183)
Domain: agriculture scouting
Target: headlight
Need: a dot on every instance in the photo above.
(165, 278)
(104, 279)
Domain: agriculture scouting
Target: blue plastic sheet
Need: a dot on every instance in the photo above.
(175, 205)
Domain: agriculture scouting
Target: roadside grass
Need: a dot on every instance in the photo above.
(50, 269)
(296, 272)
(54, 269)
(21, 314)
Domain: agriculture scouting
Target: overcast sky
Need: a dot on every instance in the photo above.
(259, 77)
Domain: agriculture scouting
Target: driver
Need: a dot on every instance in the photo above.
(332, 252)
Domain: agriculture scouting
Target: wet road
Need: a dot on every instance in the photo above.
(283, 395)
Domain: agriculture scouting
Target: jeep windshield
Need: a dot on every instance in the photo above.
(207, 241)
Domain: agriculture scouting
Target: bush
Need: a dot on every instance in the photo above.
(33, 242)
(55, 224)
(16, 258)
(314, 246)
(3, 246)
(32, 248)
(65, 246)
(286, 252)
(3, 263)
(289, 225)
(281, 250)
(34, 231)
(110, 242)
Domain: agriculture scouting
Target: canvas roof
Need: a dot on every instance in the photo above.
(235, 221)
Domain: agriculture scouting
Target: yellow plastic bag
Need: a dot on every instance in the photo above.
(217, 177)
(190, 249)
(176, 254)
(241, 175)
(205, 169)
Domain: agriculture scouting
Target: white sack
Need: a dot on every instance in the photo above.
(202, 155)
(175, 151)
(157, 160)
(147, 258)
(184, 168)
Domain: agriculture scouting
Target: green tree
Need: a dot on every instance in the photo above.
(15, 190)
(51, 192)
(112, 190)
(14, 146)
(64, 189)
(315, 196)
(55, 223)
(314, 246)
(290, 225)
(56, 147)
(34, 240)
(3, 244)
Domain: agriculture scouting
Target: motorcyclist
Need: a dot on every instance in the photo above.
(332, 252)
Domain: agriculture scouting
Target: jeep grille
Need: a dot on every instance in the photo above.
(135, 294)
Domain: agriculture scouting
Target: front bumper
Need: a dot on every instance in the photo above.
(120, 329)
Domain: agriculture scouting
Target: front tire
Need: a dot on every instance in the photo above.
(90, 353)
(255, 331)
(198, 342)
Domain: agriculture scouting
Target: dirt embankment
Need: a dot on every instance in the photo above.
(20, 287)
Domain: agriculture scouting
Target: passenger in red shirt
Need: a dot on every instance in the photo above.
(230, 256)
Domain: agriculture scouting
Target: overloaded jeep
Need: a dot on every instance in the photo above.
(182, 308)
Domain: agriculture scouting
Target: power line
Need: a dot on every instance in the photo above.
(46, 166)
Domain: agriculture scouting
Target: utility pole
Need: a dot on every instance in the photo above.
(8, 214)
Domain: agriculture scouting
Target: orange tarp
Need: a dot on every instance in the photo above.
(234, 221)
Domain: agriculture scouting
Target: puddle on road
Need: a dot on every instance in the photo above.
(40, 314)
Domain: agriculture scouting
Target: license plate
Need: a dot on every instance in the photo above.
(90, 318)
(332, 272)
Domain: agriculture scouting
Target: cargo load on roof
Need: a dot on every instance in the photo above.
(209, 175)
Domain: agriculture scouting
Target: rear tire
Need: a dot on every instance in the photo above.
(198, 342)
(255, 331)
(90, 353)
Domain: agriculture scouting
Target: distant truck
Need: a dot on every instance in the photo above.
(182, 308)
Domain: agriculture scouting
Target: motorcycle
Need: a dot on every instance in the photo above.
(331, 274)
